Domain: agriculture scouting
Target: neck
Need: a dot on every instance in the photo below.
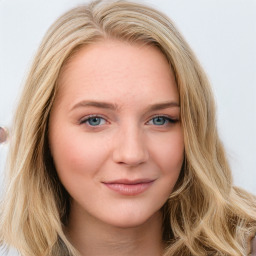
(92, 237)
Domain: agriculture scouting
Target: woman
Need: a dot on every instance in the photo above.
(115, 149)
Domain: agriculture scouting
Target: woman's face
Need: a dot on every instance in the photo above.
(115, 133)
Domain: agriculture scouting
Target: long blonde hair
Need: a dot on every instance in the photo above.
(205, 214)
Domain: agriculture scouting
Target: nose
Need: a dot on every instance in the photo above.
(130, 147)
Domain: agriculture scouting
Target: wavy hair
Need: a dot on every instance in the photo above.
(204, 215)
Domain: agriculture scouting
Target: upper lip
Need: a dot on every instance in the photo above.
(129, 182)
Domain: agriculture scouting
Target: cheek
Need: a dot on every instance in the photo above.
(168, 154)
(76, 154)
(173, 155)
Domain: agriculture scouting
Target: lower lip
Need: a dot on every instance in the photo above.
(129, 189)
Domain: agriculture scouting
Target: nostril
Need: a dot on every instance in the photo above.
(130, 156)
(3, 135)
(130, 147)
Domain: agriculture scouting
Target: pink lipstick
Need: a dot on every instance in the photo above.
(128, 187)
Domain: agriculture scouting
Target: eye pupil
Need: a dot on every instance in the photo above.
(94, 121)
(159, 120)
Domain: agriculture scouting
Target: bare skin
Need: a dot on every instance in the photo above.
(117, 143)
(105, 240)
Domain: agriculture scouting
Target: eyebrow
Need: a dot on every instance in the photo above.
(159, 106)
(111, 106)
(97, 104)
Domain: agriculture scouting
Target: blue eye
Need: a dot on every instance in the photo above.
(94, 121)
(161, 120)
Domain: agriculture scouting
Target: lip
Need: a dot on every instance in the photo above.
(129, 187)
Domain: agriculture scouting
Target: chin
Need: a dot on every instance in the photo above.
(133, 220)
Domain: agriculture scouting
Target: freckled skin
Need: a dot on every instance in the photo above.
(127, 144)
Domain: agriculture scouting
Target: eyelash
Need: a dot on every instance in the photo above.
(87, 118)
(166, 119)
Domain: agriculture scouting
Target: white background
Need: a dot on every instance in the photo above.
(221, 32)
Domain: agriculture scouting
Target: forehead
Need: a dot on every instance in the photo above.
(114, 69)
